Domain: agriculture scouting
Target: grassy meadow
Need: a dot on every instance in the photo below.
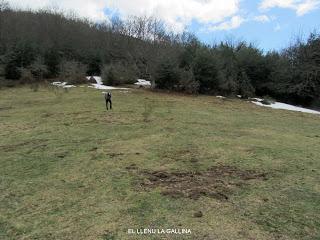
(69, 169)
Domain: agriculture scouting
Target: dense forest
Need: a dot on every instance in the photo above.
(47, 45)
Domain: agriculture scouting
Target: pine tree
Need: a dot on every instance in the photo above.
(94, 66)
(52, 60)
(246, 89)
(167, 76)
(205, 71)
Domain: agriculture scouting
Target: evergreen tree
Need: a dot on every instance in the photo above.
(228, 69)
(117, 74)
(94, 66)
(167, 75)
(188, 82)
(246, 89)
(38, 69)
(12, 72)
(52, 60)
(205, 71)
(21, 56)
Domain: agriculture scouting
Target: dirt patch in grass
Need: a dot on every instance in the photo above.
(218, 182)
(14, 147)
(5, 108)
(115, 155)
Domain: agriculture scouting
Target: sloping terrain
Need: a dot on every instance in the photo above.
(72, 170)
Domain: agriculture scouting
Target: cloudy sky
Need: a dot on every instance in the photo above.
(270, 24)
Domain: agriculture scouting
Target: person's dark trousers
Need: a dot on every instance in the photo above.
(110, 103)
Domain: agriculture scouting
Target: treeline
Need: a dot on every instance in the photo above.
(35, 46)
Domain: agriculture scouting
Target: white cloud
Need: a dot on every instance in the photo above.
(233, 23)
(176, 13)
(301, 7)
(262, 18)
(177, 10)
(307, 6)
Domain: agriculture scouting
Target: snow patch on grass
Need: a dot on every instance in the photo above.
(284, 106)
(63, 85)
(99, 85)
(142, 82)
(104, 87)
(97, 78)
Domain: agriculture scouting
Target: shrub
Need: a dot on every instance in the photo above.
(7, 83)
(227, 83)
(117, 74)
(22, 55)
(94, 66)
(26, 76)
(246, 90)
(167, 75)
(2, 66)
(34, 86)
(187, 82)
(52, 60)
(12, 71)
(205, 71)
(109, 76)
(73, 72)
(266, 102)
(38, 70)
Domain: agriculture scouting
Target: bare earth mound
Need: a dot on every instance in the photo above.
(217, 182)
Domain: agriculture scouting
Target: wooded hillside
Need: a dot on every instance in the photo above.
(35, 46)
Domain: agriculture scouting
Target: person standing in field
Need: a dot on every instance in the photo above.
(107, 97)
